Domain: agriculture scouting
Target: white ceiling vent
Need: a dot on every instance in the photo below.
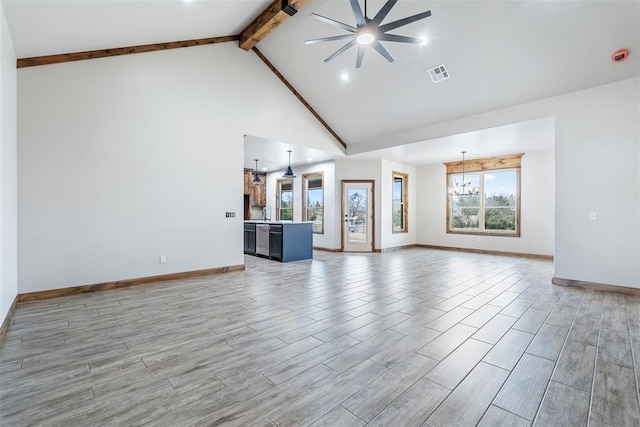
(439, 73)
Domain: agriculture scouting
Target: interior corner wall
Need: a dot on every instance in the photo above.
(536, 210)
(8, 171)
(124, 159)
(325, 240)
(597, 169)
(389, 239)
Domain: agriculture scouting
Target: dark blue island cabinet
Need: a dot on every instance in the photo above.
(287, 241)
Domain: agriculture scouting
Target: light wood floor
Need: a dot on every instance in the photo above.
(412, 337)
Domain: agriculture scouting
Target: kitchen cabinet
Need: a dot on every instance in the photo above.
(247, 181)
(287, 241)
(275, 242)
(257, 192)
(250, 238)
(259, 195)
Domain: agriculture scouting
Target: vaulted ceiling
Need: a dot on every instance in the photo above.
(499, 53)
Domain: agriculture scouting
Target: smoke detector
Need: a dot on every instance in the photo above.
(439, 73)
(620, 55)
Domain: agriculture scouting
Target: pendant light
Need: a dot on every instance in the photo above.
(289, 173)
(256, 176)
(464, 189)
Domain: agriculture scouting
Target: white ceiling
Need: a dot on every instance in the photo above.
(532, 135)
(46, 27)
(499, 54)
(273, 155)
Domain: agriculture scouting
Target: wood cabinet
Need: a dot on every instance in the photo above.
(257, 192)
(247, 181)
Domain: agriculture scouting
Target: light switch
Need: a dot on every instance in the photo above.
(593, 216)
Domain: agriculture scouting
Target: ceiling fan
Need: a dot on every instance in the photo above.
(369, 31)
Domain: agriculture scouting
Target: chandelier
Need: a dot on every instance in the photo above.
(464, 189)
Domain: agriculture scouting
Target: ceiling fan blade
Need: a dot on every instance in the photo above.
(399, 39)
(342, 49)
(382, 13)
(357, 13)
(382, 51)
(335, 23)
(329, 39)
(404, 21)
(361, 51)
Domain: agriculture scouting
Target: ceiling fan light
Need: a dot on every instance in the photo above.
(365, 38)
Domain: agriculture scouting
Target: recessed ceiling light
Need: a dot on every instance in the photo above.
(264, 169)
(309, 159)
(424, 40)
(344, 76)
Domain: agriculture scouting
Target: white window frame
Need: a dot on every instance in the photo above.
(279, 209)
(403, 202)
(305, 197)
(480, 167)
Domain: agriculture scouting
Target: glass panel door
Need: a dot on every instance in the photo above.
(357, 210)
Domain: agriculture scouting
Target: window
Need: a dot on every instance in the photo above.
(313, 203)
(399, 196)
(284, 202)
(493, 205)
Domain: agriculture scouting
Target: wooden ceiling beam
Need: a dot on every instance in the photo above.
(300, 98)
(104, 53)
(268, 20)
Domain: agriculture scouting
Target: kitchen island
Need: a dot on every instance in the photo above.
(279, 240)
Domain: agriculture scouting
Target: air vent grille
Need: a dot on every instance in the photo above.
(439, 73)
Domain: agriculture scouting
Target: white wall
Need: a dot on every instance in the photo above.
(8, 171)
(597, 170)
(388, 238)
(597, 165)
(536, 209)
(325, 240)
(127, 158)
(380, 171)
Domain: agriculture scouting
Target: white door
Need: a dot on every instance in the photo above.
(357, 216)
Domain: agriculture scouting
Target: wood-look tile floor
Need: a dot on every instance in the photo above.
(412, 337)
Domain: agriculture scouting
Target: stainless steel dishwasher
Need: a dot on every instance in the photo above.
(262, 239)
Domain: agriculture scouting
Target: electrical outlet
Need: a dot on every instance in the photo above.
(230, 214)
(163, 259)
